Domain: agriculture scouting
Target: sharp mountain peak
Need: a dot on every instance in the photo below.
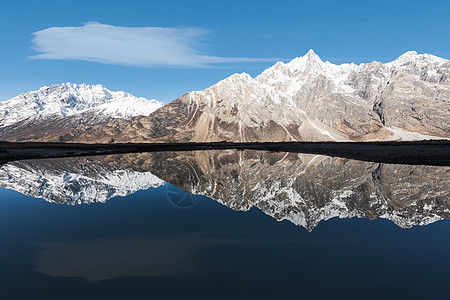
(305, 99)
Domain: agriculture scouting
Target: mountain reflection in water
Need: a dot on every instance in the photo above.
(302, 188)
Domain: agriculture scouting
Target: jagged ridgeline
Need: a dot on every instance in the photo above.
(302, 188)
(303, 100)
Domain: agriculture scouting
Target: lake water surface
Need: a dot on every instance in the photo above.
(223, 225)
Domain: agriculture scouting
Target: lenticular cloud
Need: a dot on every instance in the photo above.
(131, 46)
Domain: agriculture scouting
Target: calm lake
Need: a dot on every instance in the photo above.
(226, 224)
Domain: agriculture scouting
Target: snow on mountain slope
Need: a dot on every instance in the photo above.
(289, 78)
(426, 67)
(309, 99)
(305, 99)
(69, 99)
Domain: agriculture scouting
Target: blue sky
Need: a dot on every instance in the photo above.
(169, 48)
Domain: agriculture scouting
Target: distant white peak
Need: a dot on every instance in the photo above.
(408, 55)
(311, 55)
(298, 68)
(291, 77)
(414, 57)
(69, 99)
(310, 58)
(71, 85)
(125, 108)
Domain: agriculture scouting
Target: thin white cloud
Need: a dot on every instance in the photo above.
(131, 46)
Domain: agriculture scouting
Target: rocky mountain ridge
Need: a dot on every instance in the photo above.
(305, 99)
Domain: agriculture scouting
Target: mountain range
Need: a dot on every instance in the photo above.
(59, 108)
(305, 99)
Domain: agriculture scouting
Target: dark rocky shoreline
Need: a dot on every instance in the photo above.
(414, 153)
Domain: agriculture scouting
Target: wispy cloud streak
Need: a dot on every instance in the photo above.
(130, 46)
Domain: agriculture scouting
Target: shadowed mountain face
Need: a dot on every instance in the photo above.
(304, 189)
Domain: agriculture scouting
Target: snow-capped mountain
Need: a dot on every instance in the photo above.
(69, 99)
(69, 105)
(306, 99)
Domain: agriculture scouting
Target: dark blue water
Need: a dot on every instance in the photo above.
(143, 247)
